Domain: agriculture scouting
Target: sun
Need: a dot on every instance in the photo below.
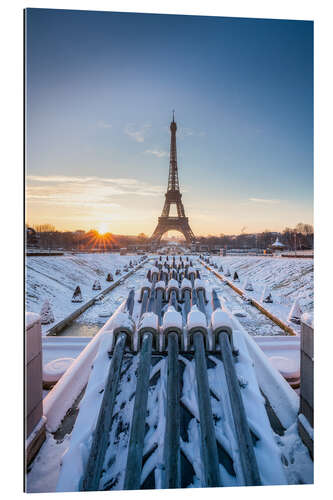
(103, 227)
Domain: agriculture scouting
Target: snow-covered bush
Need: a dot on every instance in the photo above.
(295, 313)
(96, 285)
(46, 313)
(266, 296)
(77, 295)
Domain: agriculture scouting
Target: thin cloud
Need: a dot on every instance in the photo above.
(263, 200)
(156, 152)
(137, 133)
(85, 191)
(189, 132)
(103, 124)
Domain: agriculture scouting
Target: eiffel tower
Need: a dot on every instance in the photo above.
(173, 196)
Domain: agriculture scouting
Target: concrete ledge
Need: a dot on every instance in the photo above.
(35, 440)
(306, 433)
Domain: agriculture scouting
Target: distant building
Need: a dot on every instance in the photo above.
(277, 245)
(31, 238)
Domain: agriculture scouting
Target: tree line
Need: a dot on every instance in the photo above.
(300, 238)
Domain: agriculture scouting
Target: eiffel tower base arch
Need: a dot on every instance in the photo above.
(166, 224)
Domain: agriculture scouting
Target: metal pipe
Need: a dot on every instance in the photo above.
(201, 301)
(130, 302)
(208, 440)
(245, 443)
(135, 447)
(144, 302)
(158, 304)
(100, 441)
(187, 304)
(173, 299)
(172, 430)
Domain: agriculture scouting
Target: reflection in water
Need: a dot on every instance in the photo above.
(78, 329)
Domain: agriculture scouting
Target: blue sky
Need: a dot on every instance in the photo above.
(100, 90)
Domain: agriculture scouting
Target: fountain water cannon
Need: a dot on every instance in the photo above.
(221, 323)
(173, 274)
(172, 286)
(146, 286)
(186, 285)
(123, 324)
(199, 286)
(197, 323)
(172, 323)
(160, 285)
(154, 273)
(148, 323)
(191, 274)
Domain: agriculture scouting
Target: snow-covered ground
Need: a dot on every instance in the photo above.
(55, 279)
(287, 278)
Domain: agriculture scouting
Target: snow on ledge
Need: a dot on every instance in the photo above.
(307, 318)
(306, 425)
(30, 319)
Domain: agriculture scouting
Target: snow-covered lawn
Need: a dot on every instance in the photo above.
(287, 278)
(55, 279)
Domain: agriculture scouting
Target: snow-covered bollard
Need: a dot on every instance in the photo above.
(46, 313)
(221, 322)
(266, 296)
(221, 269)
(160, 285)
(236, 278)
(227, 272)
(97, 285)
(185, 285)
(122, 323)
(148, 275)
(172, 286)
(248, 286)
(172, 323)
(109, 277)
(196, 323)
(77, 295)
(118, 271)
(154, 273)
(199, 286)
(146, 285)
(148, 323)
(173, 274)
(191, 274)
(295, 313)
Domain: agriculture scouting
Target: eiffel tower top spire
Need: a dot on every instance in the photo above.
(173, 181)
